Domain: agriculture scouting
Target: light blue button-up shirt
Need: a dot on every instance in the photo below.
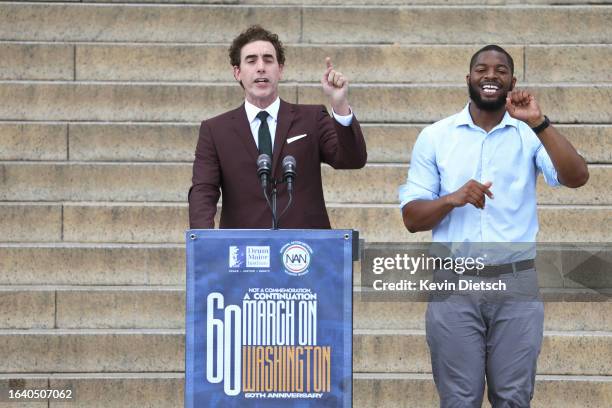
(454, 150)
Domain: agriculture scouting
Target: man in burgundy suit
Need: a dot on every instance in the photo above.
(229, 144)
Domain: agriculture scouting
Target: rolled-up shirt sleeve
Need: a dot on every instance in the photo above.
(546, 167)
(423, 181)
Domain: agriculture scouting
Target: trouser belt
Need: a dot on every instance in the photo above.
(496, 270)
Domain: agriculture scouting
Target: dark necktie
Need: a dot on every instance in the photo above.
(264, 139)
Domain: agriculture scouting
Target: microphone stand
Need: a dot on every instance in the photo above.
(272, 202)
(263, 171)
(274, 218)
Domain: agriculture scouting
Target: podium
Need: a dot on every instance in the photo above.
(269, 318)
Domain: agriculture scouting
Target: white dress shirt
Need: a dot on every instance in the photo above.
(254, 122)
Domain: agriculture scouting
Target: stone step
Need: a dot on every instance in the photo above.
(22, 382)
(164, 264)
(63, 307)
(554, 63)
(95, 182)
(304, 63)
(349, 2)
(355, 2)
(559, 316)
(176, 142)
(33, 141)
(169, 182)
(30, 222)
(453, 25)
(158, 390)
(406, 351)
(166, 223)
(35, 351)
(146, 307)
(361, 63)
(385, 351)
(141, 23)
(27, 308)
(124, 308)
(420, 103)
(165, 390)
(220, 23)
(31, 61)
(92, 264)
(103, 390)
(418, 390)
(120, 102)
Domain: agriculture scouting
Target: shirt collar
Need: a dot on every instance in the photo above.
(252, 110)
(464, 118)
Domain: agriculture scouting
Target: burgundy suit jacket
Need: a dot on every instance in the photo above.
(225, 161)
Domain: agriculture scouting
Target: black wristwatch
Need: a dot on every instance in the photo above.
(541, 126)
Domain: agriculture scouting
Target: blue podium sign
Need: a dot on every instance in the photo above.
(269, 318)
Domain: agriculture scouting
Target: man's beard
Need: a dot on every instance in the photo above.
(489, 106)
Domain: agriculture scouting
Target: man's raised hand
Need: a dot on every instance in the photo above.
(335, 86)
(522, 105)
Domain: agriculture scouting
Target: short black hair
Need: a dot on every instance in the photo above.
(492, 47)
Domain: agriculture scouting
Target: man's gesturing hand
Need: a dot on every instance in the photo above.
(335, 86)
(471, 192)
(522, 105)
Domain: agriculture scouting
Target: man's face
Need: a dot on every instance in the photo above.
(490, 80)
(259, 72)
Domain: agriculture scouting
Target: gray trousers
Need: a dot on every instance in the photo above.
(497, 335)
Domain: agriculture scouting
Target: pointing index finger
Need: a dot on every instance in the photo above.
(328, 62)
(484, 188)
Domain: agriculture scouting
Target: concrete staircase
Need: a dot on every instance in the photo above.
(98, 125)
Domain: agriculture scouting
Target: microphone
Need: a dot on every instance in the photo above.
(289, 166)
(289, 174)
(264, 169)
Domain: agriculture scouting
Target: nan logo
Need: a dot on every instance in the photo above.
(241, 258)
(296, 258)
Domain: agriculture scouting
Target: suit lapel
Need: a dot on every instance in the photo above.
(243, 130)
(285, 117)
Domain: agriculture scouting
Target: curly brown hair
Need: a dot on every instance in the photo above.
(255, 33)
